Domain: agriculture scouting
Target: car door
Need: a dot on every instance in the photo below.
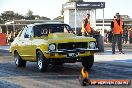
(28, 37)
(20, 43)
(24, 43)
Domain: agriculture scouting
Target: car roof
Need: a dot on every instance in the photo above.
(45, 23)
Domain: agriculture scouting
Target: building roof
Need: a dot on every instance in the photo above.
(45, 23)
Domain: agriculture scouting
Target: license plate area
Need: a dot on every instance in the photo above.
(73, 55)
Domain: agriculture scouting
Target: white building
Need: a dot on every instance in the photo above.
(74, 12)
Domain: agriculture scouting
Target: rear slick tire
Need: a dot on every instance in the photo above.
(18, 60)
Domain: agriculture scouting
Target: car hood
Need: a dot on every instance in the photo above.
(61, 35)
(67, 37)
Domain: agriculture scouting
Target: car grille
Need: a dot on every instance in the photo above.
(72, 45)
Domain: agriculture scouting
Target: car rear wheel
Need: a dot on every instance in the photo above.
(18, 60)
(87, 62)
(42, 62)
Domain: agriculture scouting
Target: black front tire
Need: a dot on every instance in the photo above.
(18, 60)
(87, 62)
(42, 62)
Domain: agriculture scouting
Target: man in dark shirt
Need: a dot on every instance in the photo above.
(117, 30)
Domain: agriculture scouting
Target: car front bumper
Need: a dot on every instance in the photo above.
(71, 51)
(76, 53)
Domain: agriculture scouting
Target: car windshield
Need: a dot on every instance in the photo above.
(45, 29)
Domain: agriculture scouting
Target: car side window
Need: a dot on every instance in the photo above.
(37, 31)
(23, 32)
(28, 33)
(44, 31)
(40, 31)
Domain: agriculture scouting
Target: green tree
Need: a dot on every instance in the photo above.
(37, 17)
(11, 15)
(29, 15)
(59, 18)
(44, 18)
(18, 16)
(7, 16)
(1, 20)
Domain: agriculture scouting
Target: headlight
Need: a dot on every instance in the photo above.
(52, 47)
(92, 45)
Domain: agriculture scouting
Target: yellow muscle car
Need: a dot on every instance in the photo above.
(52, 43)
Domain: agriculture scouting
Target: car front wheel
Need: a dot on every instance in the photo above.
(42, 63)
(87, 62)
(18, 60)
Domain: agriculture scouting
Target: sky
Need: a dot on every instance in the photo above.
(52, 8)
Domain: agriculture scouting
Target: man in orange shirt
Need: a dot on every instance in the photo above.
(117, 26)
(86, 26)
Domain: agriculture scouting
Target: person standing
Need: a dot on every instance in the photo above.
(86, 28)
(130, 36)
(117, 26)
(83, 29)
(15, 34)
(10, 37)
(110, 36)
(125, 35)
